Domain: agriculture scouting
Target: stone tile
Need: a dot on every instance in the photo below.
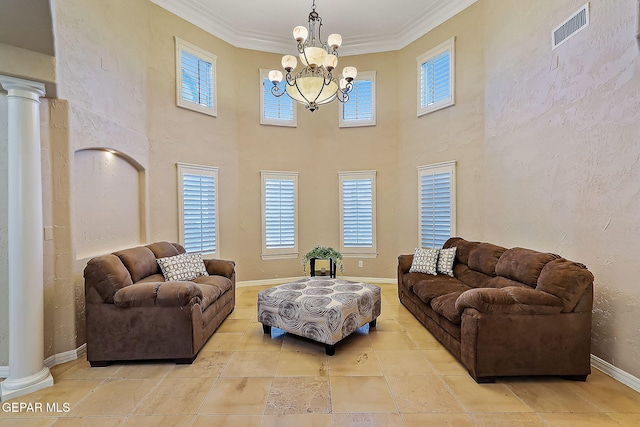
(444, 363)
(227, 421)
(87, 422)
(404, 363)
(83, 371)
(453, 420)
(301, 363)
(417, 394)
(251, 364)
(13, 421)
(391, 340)
(299, 395)
(423, 338)
(351, 363)
(175, 396)
(626, 420)
(158, 421)
(484, 397)
(254, 339)
(550, 395)
(207, 364)
(509, 419)
(599, 388)
(367, 420)
(234, 325)
(222, 342)
(361, 394)
(240, 396)
(297, 420)
(390, 324)
(244, 313)
(142, 370)
(114, 397)
(582, 419)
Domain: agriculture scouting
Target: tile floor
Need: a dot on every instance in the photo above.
(394, 375)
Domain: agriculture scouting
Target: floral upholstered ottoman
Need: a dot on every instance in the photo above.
(322, 309)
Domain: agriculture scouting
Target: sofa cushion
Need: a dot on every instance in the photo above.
(463, 248)
(163, 249)
(484, 257)
(523, 265)
(178, 267)
(445, 305)
(220, 282)
(210, 294)
(565, 279)
(470, 277)
(502, 282)
(446, 257)
(425, 260)
(108, 275)
(509, 300)
(434, 287)
(140, 262)
(410, 279)
(153, 278)
(162, 294)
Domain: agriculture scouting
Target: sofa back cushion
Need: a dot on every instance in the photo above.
(140, 262)
(470, 277)
(484, 257)
(107, 275)
(463, 248)
(565, 279)
(523, 265)
(163, 249)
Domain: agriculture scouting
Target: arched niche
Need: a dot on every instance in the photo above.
(108, 202)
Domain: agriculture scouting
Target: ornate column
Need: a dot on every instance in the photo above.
(27, 372)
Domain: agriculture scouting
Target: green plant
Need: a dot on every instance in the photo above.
(322, 252)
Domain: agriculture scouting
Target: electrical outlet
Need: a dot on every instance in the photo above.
(361, 264)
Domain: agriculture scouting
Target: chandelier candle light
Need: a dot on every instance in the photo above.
(315, 84)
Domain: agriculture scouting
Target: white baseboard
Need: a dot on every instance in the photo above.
(616, 373)
(54, 360)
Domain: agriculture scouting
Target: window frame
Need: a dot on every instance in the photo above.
(433, 169)
(358, 252)
(182, 45)
(448, 45)
(264, 75)
(362, 75)
(187, 168)
(279, 253)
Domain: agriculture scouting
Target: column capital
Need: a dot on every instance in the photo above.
(9, 83)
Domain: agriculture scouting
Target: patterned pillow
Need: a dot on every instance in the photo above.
(425, 261)
(178, 267)
(198, 265)
(445, 261)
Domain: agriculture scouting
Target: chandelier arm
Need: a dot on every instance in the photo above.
(275, 91)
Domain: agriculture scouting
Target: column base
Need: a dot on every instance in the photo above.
(20, 387)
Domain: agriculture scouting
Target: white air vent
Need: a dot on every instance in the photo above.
(570, 27)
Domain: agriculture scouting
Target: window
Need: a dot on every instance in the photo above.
(195, 78)
(198, 187)
(279, 215)
(278, 111)
(360, 109)
(437, 203)
(436, 78)
(358, 213)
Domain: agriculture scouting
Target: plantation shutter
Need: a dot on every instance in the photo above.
(435, 79)
(357, 205)
(435, 209)
(197, 79)
(199, 206)
(360, 103)
(276, 108)
(279, 213)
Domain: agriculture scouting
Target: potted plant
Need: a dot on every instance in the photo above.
(322, 252)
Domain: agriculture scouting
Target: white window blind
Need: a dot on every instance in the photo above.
(198, 208)
(360, 109)
(279, 214)
(195, 78)
(278, 111)
(358, 216)
(436, 204)
(436, 78)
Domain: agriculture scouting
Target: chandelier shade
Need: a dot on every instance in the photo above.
(315, 84)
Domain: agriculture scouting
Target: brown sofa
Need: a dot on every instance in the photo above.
(132, 313)
(506, 312)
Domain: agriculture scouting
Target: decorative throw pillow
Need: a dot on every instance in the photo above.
(178, 267)
(198, 264)
(445, 261)
(425, 261)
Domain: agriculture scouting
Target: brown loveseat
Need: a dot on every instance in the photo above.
(132, 313)
(506, 312)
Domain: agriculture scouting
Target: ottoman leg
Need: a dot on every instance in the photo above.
(372, 324)
(330, 349)
(266, 329)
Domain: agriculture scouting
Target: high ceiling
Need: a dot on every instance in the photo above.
(366, 26)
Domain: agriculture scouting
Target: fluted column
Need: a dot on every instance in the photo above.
(27, 372)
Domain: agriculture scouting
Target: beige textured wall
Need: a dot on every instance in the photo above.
(561, 151)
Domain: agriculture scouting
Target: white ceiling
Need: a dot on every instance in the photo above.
(366, 26)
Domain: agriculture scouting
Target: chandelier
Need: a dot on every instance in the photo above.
(315, 84)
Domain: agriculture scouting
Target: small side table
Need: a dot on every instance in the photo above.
(332, 267)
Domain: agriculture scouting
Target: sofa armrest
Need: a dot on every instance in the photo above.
(404, 263)
(509, 300)
(220, 267)
(158, 294)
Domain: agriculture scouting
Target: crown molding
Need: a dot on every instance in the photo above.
(203, 17)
